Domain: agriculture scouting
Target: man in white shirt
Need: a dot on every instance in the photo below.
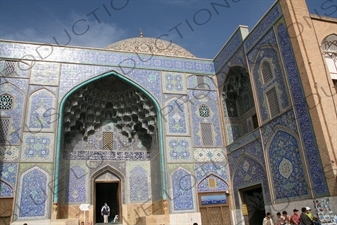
(105, 212)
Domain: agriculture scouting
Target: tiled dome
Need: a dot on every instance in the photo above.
(150, 46)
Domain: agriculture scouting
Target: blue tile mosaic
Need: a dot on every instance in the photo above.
(9, 153)
(73, 75)
(266, 23)
(238, 59)
(75, 183)
(33, 194)
(139, 188)
(208, 82)
(107, 58)
(182, 190)
(37, 147)
(41, 103)
(45, 73)
(256, 57)
(179, 149)
(15, 113)
(287, 167)
(220, 185)
(228, 50)
(174, 83)
(8, 173)
(316, 171)
(6, 190)
(204, 170)
(286, 120)
(175, 115)
(249, 172)
(198, 98)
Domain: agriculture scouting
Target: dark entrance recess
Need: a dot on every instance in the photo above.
(109, 193)
(253, 205)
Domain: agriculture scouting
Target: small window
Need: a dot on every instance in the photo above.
(206, 134)
(107, 140)
(6, 101)
(9, 69)
(273, 103)
(4, 128)
(211, 182)
(267, 73)
(204, 111)
(255, 121)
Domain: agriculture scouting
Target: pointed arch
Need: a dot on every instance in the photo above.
(175, 112)
(204, 185)
(33, 196)
(248, 172)
(182, 190)
(60, 126)
(329, 47)
(284, 154)
(40, 103)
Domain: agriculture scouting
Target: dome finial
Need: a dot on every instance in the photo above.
(141, 33)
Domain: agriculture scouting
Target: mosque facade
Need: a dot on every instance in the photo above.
(164, 137)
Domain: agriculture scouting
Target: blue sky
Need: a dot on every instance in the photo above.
(113, 20)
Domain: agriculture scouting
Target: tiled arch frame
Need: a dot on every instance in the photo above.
(246, 166)
(182, 191)
(328, 43)
(60, 130)
(224, 186)
(285, 162)
(38, 122)
(25, 204)
(268, 53)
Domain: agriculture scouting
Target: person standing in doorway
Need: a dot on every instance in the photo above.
(105, 212)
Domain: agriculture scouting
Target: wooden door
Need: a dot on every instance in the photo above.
(217, 213)
(6, 205)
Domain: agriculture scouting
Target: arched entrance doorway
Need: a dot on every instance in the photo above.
(214, 201)
(108, 121)
(107, 189)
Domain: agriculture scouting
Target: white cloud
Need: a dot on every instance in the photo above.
(97, 35)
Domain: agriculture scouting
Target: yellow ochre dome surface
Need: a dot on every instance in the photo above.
(150, 46)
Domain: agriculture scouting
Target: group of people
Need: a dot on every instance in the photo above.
(305, 218)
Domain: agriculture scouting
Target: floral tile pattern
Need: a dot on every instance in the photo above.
(37, 147)
(209, 155)
(45, 73)
(42, 105)
(182, 191)
(178, 149)
(75, 183)
(139, 189)
(174, 82)
(287, 167)
(33, 197)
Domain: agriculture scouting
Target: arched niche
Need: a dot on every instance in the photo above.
(238, 103)
(85, 108)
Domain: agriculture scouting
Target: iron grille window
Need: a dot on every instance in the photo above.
(267, 73)
(4, 128)
(204, 111)
(207, 134)
(9, 69)
(107, 140)
(273, 103)
(6, 101)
